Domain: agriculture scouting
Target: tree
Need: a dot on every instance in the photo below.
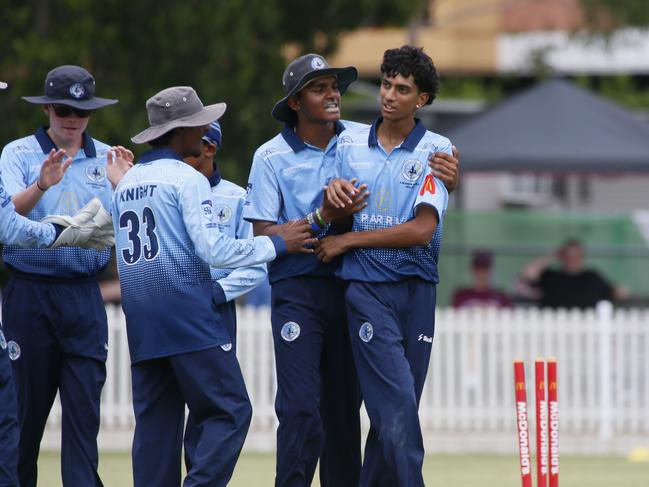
(607, 15)
(229, 50)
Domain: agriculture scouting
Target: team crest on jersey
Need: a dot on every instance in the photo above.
(96, 173)
(411, 170)
(13, 349)
(3, 341)
(226, 347)
(290, 331)
(223, 213)
(317, 63)
(77, 90)
(206, 208)
(366, 332)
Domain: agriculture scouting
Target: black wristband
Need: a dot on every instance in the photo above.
(40, 187)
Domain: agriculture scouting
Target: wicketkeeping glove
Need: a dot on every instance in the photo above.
(91, 227)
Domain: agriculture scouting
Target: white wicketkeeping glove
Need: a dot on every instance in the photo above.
(91, 227)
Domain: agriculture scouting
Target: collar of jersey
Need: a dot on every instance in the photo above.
(410, 142)
(47, 144)
(159, 153)
(215, 178)
(297, 144)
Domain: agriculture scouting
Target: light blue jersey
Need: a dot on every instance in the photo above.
(285, 184)
(20, 231)
(228, 201)
(398, 182)
(85, 179)
(166, 238)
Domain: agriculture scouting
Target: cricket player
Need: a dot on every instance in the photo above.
(227, 284)
(16, 230)
(52, 308)
(390, 263)
(167, 236)
(317, 400)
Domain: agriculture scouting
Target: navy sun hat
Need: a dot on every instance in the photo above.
(72, 86)
(300, 72)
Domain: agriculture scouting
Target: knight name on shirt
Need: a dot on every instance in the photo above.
(137, 192)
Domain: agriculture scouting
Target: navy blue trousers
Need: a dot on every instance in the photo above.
(8, 420)
(61, 331)
(210, 383)
(317, 400)
(391, 326)
(228, 317)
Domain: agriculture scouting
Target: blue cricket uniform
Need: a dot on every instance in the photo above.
(390, 296)
(317, 400)
(14, 230)
(54, 313)
(227, 284)
(166, 237)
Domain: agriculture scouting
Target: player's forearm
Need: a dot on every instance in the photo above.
(418, 231)
(18, 230)
(268, 229)
(242, 280)
(26, 200)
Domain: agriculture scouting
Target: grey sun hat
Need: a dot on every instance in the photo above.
(176, 107)
(300, 72)
(73, 86)
(3, 85)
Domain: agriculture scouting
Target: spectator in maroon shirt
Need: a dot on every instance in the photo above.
(481, 294)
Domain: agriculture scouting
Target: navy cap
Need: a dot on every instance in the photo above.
(70, 85)
(298, 74)
(213, 134)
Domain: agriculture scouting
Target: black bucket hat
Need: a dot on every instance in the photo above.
(72, 86)
(303, 70)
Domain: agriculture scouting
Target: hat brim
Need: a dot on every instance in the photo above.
(346, 76)
(206, 116)
(91, 104)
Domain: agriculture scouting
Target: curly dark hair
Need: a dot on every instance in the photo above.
(408, 60)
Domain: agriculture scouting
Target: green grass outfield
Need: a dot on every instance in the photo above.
(439, 471)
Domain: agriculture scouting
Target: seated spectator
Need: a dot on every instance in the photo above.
(569, 286)
(480, 294)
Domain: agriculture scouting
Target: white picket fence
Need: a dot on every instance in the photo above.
(468, 400)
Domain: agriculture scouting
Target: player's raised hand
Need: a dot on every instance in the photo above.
(446, 168)
(118, 161)
(297, 237)
(53, 169)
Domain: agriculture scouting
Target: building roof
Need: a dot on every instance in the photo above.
(555, 126)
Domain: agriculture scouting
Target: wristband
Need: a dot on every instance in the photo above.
(311, 221)
(318, 217)
(40, 187)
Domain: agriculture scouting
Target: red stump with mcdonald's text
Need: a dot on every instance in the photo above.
(553, 424)
(541, 424)
(522, 424)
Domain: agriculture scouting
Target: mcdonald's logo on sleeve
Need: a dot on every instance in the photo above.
(428, 186)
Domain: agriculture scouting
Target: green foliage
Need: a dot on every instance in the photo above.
(605, 15)
(229, 50)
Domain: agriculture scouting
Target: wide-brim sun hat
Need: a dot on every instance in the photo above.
(302, 71)
(175, 107)
(70, 85)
